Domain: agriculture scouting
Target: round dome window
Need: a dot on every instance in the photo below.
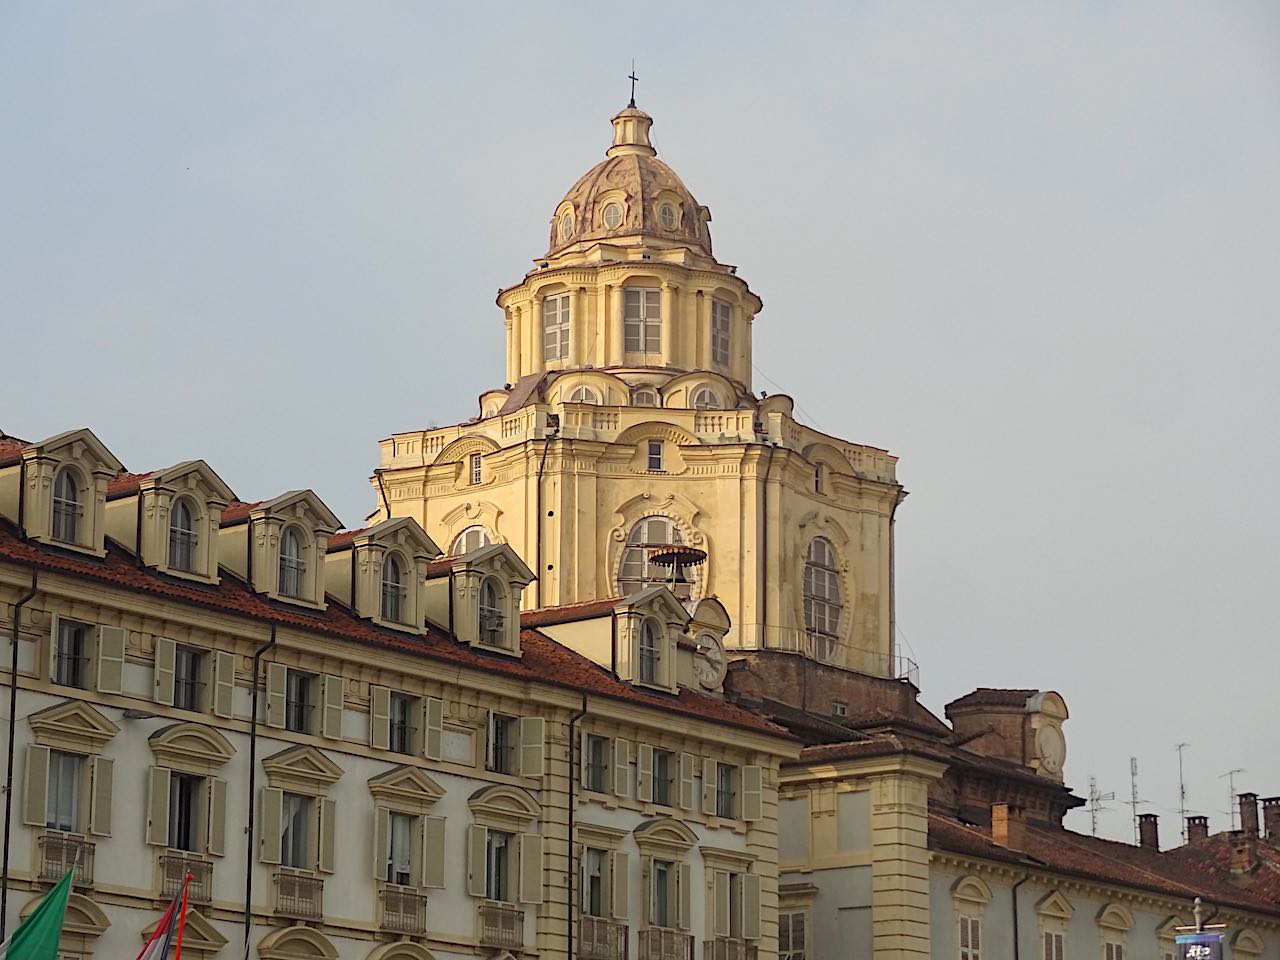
(566, 226)
(612, 216)
(667, 215)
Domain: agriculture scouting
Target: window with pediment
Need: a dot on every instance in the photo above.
(68, 505)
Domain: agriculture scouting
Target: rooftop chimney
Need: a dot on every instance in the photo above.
(1008, 828)
(1197, 829)
(1249, 814)
(1244, 853)
(1271, 818)
(1149, 831)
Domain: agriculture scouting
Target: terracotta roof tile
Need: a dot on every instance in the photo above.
(569, 612)
(441, 566)
(543, 659)
(343, 540)
(11, 450)
(992, 697)
(238, 512)
(125, 483)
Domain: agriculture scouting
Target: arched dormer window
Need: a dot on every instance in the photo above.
(644, 397)
(67, 508)
(822, 606)
(393, 589)
(704, 398)
(650, 652)
(635, 572)
(182, 537)
(293, 563)
(493, 620)
(472, 538)
(584, 395)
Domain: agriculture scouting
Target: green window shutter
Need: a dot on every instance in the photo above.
(644, 772)
(620, 870)
(217, 817)
(532, 746)
(751, 906)
(110, 657)
(721, 889)
(379, 718)
(332, 696)
(477, 849)
(432, 852)
(328, 834)
(621, 767)
(752, 793)
(530, 868)
(381, 842)
(35, 803)
(684, 896)
(277, 674)
(224, 683)
(162, 679)
(272, 815)
(432, 727)
(158, 807)
(101, 774)
(687, 762)
(708, 786)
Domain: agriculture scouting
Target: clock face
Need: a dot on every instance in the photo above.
(1052, 748)
(711, 663)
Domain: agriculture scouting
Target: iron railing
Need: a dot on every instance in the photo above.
(501, 925)
(601, 939)
(299, 895)
(658, 943)
(174, 867)
(727, 948)
(404, 910)
(59, 852)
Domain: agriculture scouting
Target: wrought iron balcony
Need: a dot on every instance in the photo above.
(299, 895)
(404, 910)
(725, 948)
(174, 867)
(501, 925)
(601, 939)
(59, 852)
(658, 943)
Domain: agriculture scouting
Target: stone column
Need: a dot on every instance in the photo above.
(516, 333)
(512, 372)
(538, 360)
(617, 340)
(668, 323)
(577, 326)
(703, 307)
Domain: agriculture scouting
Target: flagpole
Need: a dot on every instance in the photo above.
(182, 917)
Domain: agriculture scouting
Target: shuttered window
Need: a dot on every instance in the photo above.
(188, 679)
(642, 320)
(1114, 951)
(595, 774)
(65, 783)
(72, 642)
(970, 938)
(295, 831)
(1053, 946)
(791, 935)
(721, 318)
(555, 326)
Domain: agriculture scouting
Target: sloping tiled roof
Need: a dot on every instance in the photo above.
(238, 512)
(11, 450)
(1177, 873)
(521, 393)
(123, 484)
(992, 697)
(343, 540)
(569, 612)
(1212, 857)
(543, 660)
(440, 566)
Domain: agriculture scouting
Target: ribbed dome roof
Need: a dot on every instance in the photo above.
(630, 194)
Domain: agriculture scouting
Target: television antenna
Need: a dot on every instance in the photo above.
(1182, 792)
(1133, 797)
(1096, 800)
(1230, 777)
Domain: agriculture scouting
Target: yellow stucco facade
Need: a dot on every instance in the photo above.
(628, 419)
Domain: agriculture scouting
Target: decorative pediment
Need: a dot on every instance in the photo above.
(1246, 941)
(296, 943)
(193, 476)
(401, 532)
(828, 455)
(597, 835)
(681, 510)
(815, 524)
(406, 787)
(656, 601)
(72, 725)
(84, 917)
(1049, 703)
(656, 430)
(301, 505)
(1054, 905)
(503, 804)
(1115, 916)
(464, 447)
(500, 560)
(402, 950)
(197, 934)
(191, 746)
(80, 445)
(471, 514)
(301, 766)
(971, 889)
(1168, 930)
(665, 834)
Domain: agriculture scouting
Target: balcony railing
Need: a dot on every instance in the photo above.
(724, 948)
(501, 925)
(404, 910)
(174, 867)
(657, 943)
(299, 895)
(602, 939)
(59, 852)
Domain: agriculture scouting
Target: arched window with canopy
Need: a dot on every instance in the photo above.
(635, 571)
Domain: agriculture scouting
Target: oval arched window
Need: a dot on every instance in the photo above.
(822, 606)
(584, 395)
(67, 508)
(667, 216)
(393, 589)
(704, 398)
(293, 563)
(644, 397)
(493, 619)
(612, 216)
(650, 652)
(182, 537)
(635, 572)
(472, 538)
(566, 226)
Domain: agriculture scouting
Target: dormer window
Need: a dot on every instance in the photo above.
(706, 399)
(67, 508)
(584, 395)
(492, 618)
(644, 397)
(293, 564)
(667, 216)
(182, 537)
(393, 589)
(650, 652)
(566, 226)
(612, 216)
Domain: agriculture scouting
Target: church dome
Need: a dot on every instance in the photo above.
(630, 195)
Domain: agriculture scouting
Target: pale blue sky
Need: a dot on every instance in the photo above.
(1031, 248)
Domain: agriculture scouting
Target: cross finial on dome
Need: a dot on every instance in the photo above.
(633, 78)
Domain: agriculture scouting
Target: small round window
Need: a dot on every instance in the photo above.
(566, 226)
(612, 216)
(667, 214)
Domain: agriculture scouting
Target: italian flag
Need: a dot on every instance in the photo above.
(37, 936)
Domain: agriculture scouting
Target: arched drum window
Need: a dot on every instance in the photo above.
(822, 606)
(636, 572)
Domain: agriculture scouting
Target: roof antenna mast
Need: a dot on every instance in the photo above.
(1182, 791)
(633, 78)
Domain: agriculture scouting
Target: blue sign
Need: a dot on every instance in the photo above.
(1199, 946)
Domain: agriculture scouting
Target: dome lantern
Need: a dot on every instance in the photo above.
(631, 133)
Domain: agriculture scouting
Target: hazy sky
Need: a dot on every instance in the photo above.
(1031, 248)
